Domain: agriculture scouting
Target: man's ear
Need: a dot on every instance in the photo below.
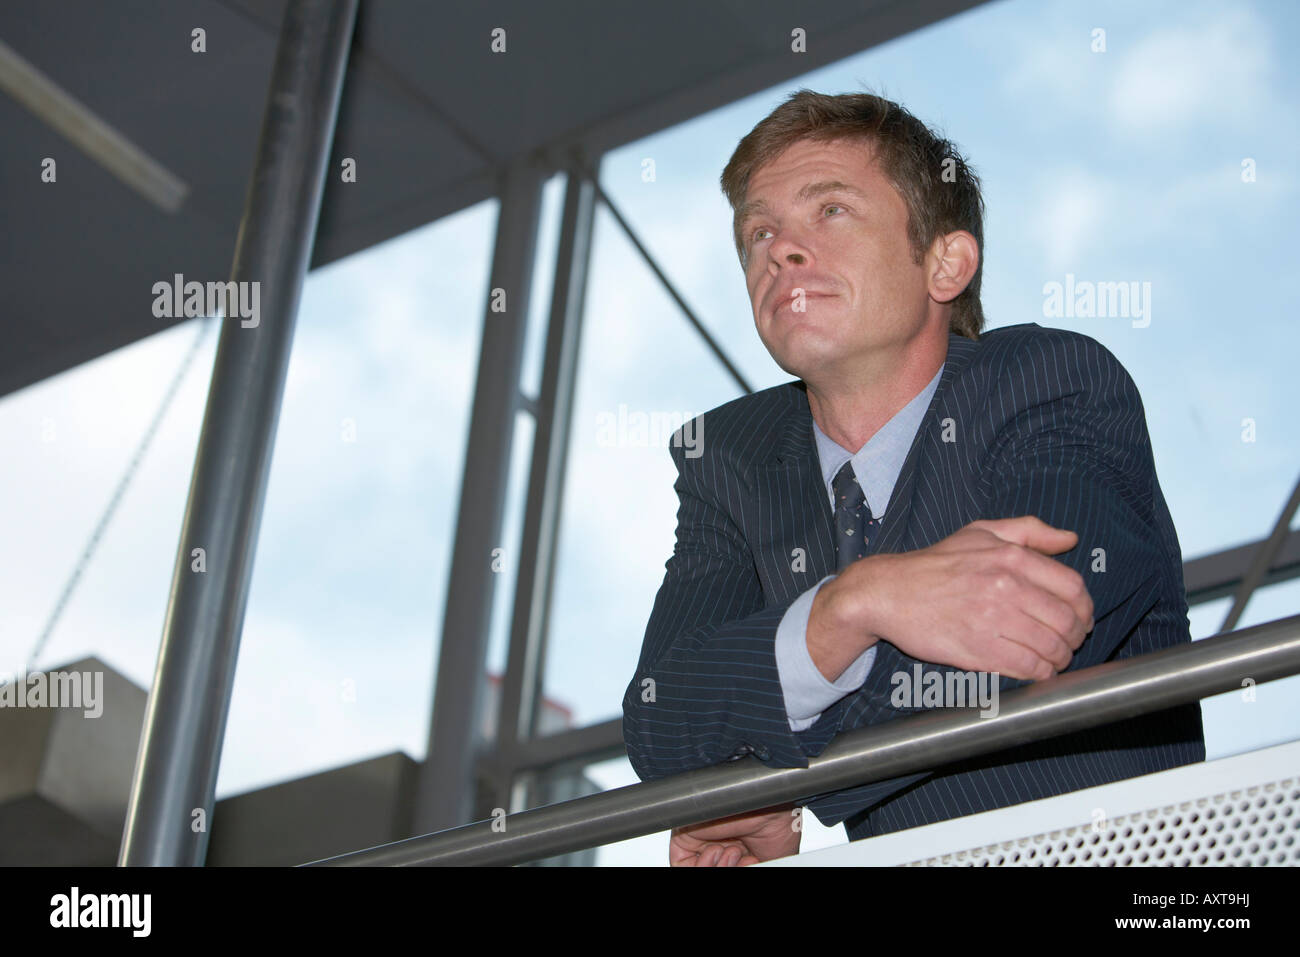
(953, 261)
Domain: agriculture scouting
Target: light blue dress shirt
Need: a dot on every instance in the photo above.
(876, 464)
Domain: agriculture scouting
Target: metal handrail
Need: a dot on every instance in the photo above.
(1080, 699)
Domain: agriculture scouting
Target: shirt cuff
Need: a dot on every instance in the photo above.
(807, 692)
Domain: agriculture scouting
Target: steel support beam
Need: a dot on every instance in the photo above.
(445, 784)
(521, 688)
(710, 343)
(576, 747)
(77, 123)
(174, 786)
(1263, 561)
(1220, 574)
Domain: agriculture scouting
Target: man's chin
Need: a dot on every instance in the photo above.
(801, 363)
(803, 350)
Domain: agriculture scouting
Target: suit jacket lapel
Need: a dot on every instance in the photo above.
(943, 405)
(791, 473)
(792, 507)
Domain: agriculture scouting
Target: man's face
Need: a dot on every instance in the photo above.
(831, 224)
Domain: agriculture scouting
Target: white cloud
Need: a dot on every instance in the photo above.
(1071, 207)
(1048, 66)
(1077, 214)
(1214, 71)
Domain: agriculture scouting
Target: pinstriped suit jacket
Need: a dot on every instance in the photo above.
(1026, 421)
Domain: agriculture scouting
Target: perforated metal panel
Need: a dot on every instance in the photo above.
(1258, 825)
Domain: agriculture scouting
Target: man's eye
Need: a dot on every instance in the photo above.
(755, 237)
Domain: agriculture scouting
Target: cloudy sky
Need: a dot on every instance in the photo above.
(1122, 165)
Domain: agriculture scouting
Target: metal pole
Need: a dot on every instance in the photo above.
(67, 115)
(1264, 559)
(521, 684)
(689, 313)
(173, 790)
(1081, 699)
(1219, 574)
(445, 785)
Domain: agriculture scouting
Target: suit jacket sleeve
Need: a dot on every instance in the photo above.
(707, 688)
(1072, 448)
(1076, 454)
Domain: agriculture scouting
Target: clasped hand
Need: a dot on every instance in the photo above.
(985, 598)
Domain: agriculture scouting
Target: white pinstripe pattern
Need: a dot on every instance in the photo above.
(1047, 422)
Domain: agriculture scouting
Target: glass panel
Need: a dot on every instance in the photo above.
(1262, 715)
(69, 441)
(642, 372)
(685, 162)
(337, 658)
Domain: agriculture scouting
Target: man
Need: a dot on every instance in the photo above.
(924, 497)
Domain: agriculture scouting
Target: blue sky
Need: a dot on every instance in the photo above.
(1123, 165)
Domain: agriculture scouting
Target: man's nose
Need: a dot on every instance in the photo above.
(790, 257)
(789, 248)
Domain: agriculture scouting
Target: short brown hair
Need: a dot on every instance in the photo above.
(941, 192)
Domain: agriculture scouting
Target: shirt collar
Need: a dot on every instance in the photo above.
(878, 463)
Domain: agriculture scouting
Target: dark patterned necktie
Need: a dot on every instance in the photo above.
(854, 524)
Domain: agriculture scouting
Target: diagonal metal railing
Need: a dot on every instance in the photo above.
(1068, 702)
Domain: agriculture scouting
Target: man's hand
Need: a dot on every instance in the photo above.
(986, 598)
(740, 840)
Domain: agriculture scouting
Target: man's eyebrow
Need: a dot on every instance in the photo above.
(811, 190)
